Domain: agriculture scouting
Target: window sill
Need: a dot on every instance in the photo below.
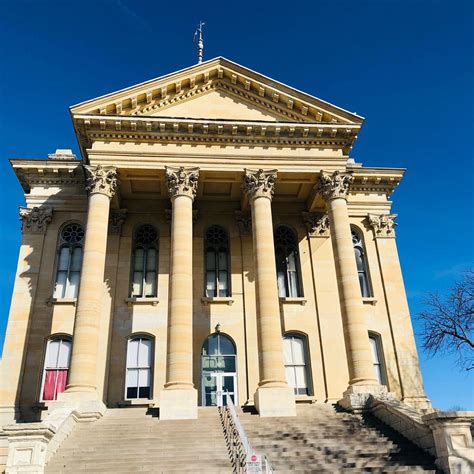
(293, 300)
(217, 300)
(369, 300)
(66, 301)
(144, 402)
(134, 300)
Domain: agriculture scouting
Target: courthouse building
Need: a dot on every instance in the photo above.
(214, 239)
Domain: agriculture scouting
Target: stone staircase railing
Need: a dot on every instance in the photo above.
(243, 457)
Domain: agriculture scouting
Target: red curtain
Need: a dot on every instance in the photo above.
(54, 379)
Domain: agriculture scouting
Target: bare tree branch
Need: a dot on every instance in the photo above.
(448, 323)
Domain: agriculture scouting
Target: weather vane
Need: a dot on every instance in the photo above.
(198, 39)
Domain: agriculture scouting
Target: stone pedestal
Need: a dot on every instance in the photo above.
(358, 398)
(178, 404)
(453, 440)
(275, 401)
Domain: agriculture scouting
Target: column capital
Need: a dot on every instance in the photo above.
(382, 225)
(244, 222)
(259, 183)
(182, 181)
(317, 224)
(35, 220)
(335, 185)
(101, 180)
(116, 219)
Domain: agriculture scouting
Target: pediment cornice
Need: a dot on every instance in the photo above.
(229, 132)
(150, 97)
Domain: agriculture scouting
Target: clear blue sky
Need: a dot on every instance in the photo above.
(404, 65)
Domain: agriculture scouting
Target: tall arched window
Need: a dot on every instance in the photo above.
(217, 262)
(361, 262)
(287, 262)
(145, 262)
(56, 368)
(68, 273)
(295, 355)
(377, 358)
(139, 363)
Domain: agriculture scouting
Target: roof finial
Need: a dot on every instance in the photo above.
(200, 42)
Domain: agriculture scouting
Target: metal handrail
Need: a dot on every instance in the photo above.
(237, 440)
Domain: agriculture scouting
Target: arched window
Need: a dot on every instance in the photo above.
(295, 354)
(139, 362)
(377, 358)
(56, 368)
(217, 262)
(144, 262)
(361, 262)
(287, 262)
(68, 273)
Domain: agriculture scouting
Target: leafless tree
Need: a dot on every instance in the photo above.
(448, 322)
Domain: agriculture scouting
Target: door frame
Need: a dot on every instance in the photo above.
(219, 384)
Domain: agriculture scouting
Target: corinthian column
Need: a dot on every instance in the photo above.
(101, 184)
(334, 190)
(273, 396)
(178, 400)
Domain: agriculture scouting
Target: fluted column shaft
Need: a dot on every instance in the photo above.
(101, 185)
(334, 190)
(182, 184)
(259, 188)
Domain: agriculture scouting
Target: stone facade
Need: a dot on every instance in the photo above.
(252, 155)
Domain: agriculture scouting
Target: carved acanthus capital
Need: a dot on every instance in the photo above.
(244, 222)
(182, 181)
(382, 225)
(335, 185)
(259, 183)
(36, 219)
(102, 180)
(116, 219)
(317, 224)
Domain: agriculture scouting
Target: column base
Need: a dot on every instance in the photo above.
(275, 401)
(358, 398)
(86, 404)
(178, 404)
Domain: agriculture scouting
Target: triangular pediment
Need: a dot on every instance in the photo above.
(217, 90)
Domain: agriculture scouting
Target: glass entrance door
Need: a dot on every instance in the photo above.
(217, 387)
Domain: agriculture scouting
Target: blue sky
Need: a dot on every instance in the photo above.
(405, 65)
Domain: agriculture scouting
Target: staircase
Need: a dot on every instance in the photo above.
(320, 440)
(129, 440)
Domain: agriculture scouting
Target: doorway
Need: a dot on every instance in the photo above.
(219, 373)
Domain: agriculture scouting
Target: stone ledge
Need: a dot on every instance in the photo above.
(369, 300)
(142, 300)
(217, 300)
(293, 300)
(61, 301)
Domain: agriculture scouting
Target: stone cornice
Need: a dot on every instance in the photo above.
(382, 225)
(182, 181)
(101, 180)
(240, 132)
(35, 220)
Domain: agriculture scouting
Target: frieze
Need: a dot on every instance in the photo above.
(259, 183)
(101, 180)
(317, 224)
(36, 219)
(182, 181)
(335, 185)
(383, 225)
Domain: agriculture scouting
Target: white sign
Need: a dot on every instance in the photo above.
(254, 463)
